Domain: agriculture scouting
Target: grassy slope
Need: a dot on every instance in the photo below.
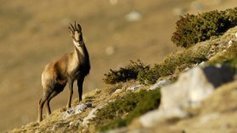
(34, 32)
(218, 46)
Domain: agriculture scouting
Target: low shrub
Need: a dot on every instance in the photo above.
(149, 76)
(126, 73)
(191, 29)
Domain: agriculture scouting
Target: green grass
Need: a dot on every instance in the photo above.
(122, 111)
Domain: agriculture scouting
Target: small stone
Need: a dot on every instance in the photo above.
(117, 91)
(218, 65)
(186, 69)
(134, 87)
(133, 16)
(80, 108)
(160, 84)
(202, 64)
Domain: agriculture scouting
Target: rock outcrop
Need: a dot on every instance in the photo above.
(191, 88)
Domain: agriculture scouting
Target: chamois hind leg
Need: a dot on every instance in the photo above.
(52, 95)
(41, 105)
(80, 87)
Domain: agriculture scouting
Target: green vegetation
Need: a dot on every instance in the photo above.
(171, 64)
(126, 73)
(191, 29)
(122, 111)
(175, 63)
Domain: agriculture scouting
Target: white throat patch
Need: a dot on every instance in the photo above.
(77, 44)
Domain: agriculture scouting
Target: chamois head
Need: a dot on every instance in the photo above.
(76, 33)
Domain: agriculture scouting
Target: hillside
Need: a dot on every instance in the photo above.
(216, 113)
(35, 32)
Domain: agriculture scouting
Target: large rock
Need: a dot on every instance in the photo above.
(191, 88)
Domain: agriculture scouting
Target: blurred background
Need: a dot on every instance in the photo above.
(33, 33)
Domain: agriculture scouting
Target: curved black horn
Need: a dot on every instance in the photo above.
(79, 27)
(72, 27)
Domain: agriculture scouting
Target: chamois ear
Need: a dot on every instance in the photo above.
(71, 29)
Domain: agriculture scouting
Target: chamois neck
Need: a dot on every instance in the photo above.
(81, 52)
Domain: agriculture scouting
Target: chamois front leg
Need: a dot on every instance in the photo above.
(80, 87)
(70, 83)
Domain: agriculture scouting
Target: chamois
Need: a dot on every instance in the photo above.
(70, 67)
